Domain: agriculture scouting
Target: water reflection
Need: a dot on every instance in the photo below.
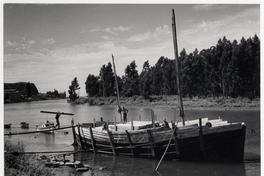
(139, 167)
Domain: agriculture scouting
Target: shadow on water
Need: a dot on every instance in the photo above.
(119, 166)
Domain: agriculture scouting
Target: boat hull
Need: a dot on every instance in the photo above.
(215, 144)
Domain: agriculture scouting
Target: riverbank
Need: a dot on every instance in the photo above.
(209, 103)
(34, 98)
(19, 164)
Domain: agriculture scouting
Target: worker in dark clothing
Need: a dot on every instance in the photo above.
(57, 119)
(173, 125)
(105, 126)
(125, 111)
(166, 124)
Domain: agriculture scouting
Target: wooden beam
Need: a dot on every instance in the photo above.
(130, 143)
(84, 140)
(176, 141)
(92, 139)
(94, 123)
(151, 140)
(111, 142)
(177, 66)
(201, 137)
(73, 133)
(152, 118)
(80, 137)
(115, 123)
(61, 113)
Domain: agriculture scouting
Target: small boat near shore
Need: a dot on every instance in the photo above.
(24, 125)
(47, 126)
(7, 126)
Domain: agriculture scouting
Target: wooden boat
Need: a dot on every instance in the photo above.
(24, 125)
(47, 126)
(201, 139)
(7, 126)
(213, 140)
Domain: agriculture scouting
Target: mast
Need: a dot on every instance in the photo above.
(177, 66)
(117, 90)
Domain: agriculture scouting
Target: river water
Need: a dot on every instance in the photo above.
(121, 166)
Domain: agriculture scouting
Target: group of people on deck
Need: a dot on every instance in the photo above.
(123, 111)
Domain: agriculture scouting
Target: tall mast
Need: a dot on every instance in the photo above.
(177, 66)
(117, 90)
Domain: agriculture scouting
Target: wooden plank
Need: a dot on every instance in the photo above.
(92, 138)
(111, 142)
(201, 137)
(152, 118)
(132, 126)
(84, 140)
(151, 140)
(130, 143)
(176, 141)
(61, 113)
(80, 137)
(73, 133)
(115, 123)
(94, 123)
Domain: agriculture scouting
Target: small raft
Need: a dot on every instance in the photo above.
(7, 126)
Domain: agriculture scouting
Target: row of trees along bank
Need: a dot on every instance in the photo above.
(227, 69)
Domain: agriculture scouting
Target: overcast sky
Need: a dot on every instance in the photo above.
(49, 45)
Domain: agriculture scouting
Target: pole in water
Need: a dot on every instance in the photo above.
(177, 66)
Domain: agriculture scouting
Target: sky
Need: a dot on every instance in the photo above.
(50, 44)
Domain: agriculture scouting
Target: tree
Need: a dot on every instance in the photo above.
(28, 90)
(107, 81)
(145, 81)
(92, 85)
(72, 89)
(131, 80)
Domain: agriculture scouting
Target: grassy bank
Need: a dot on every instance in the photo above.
(189, 103)
(23, 165)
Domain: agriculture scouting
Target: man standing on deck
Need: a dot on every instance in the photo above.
(57, 119)
(125, 111)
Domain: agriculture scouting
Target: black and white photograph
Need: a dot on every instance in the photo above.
(111, 89)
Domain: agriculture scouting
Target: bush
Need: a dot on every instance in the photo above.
(20, 164)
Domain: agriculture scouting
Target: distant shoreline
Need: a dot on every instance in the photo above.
(209, 103)
(34, 99)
